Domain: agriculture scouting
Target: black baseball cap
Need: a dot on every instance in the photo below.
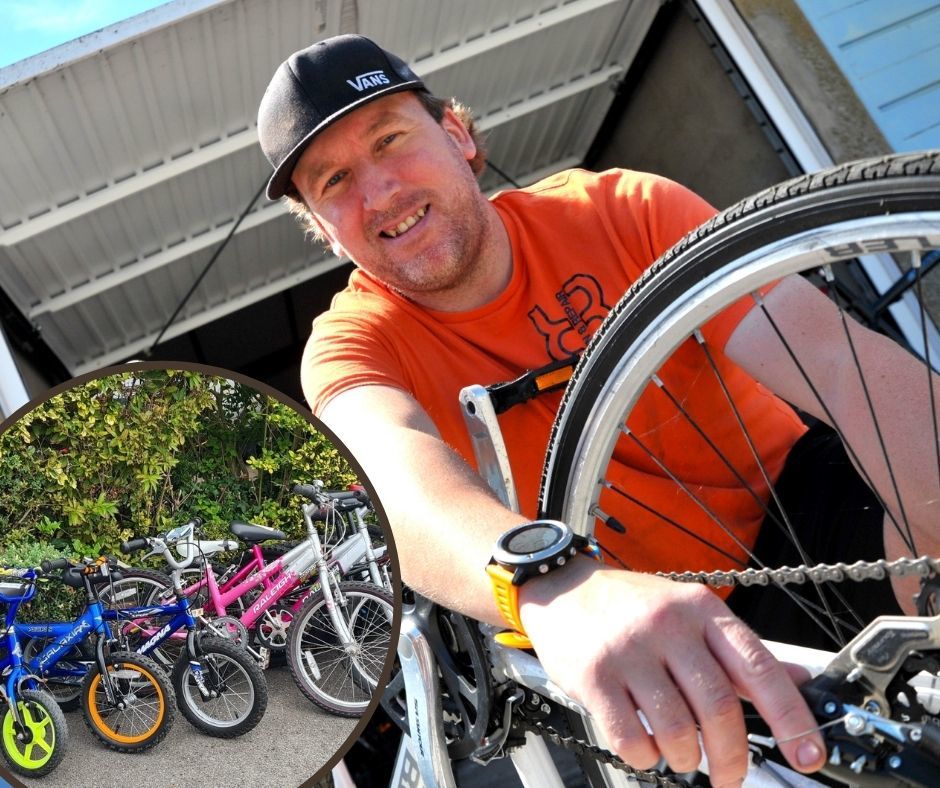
(316, 87)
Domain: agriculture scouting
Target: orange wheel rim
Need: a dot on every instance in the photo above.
(103, 725)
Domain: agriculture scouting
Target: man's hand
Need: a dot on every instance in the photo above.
(622, 643)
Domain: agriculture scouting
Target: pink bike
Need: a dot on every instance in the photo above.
(336, 632)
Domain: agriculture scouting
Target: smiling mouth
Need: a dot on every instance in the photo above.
(405, 224)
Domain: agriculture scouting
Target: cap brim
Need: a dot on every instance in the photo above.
(280, 180)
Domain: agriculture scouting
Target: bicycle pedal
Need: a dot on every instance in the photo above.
(265, 654)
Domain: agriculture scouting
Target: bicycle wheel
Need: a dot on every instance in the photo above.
(37, 749)
(67, 690)
(341, 677)
(816, 225)
(136, 588)
(142, 588)
(236, 687)
(143, 710)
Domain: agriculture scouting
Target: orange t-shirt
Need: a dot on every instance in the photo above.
(579, 240)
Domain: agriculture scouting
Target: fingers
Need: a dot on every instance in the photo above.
(714, 701)
(620, 725)
(691, 702)
(768, 683)
(677, 700)
(674, 728)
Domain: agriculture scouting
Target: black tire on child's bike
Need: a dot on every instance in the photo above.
(236, 684)
(816, 225)
(40, 749)
(339, 679)
(136, 588)
(145, 704)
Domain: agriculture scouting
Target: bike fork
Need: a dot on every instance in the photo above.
(109, 691)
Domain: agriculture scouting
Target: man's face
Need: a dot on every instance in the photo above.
(391, 188)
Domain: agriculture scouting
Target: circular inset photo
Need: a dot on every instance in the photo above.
(197, 585)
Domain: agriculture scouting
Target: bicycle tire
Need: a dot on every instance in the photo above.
(48, 734)
(149, 715)
(67, 694)
(847, 211)
(231, 672)
(141, 588)
(326, 673)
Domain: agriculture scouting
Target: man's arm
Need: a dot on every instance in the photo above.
(897, 385)
(617, 641)
(444, 518)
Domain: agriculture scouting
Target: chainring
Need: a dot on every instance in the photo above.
(465, 683)
(271, 628)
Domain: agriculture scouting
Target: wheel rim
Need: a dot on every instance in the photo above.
(345, 677)
(575, 494)
(236, 693)
(40, 746)
(146, 709)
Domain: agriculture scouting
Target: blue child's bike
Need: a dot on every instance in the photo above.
(126, 699)
(33, 731)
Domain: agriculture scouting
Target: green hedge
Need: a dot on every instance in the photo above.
(141, 451)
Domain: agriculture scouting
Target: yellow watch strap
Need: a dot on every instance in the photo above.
(507, 600)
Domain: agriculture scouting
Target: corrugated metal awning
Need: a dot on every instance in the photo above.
(129, 154)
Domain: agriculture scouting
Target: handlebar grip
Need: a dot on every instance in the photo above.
(133, 545)
(48, 566)
(307, 491)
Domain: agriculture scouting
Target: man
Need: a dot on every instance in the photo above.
(450, 290)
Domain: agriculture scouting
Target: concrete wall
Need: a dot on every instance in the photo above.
(685, 119)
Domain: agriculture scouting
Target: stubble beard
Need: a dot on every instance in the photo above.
(454, 261)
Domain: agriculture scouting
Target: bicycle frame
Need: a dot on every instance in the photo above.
(69, 634)
(278, 578)
(182, 619)
(427, 748)
(17, 672)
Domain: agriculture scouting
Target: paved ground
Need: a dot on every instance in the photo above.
(292, 741)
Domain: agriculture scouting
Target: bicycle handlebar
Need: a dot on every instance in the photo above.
(134, 545)
(308, 491)
(48, 566)
(351, 498)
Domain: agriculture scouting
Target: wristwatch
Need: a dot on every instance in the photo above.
(526, 551)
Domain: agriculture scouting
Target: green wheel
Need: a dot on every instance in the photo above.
(37, 747)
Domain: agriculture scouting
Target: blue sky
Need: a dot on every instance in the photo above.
(28, 27)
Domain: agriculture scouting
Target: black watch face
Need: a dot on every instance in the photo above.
(532, 539)
(531, 544)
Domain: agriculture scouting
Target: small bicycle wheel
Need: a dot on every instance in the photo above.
(143, 588)
(144, 707)
(37, 747)
(67, 690)
(236, 691)
(136, 588)
(341, 677)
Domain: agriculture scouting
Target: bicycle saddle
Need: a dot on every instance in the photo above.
(253, 534)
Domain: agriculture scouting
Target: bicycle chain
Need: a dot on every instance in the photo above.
(581, 748)
(820, 573)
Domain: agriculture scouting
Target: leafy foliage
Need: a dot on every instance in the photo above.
(138, 452)
(53, 601)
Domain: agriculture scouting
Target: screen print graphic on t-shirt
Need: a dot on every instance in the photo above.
(567, 325)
